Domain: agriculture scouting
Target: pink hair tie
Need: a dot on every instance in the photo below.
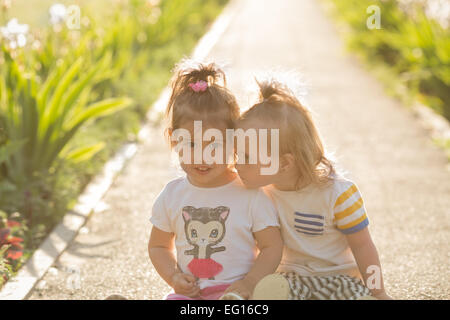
(199, 86)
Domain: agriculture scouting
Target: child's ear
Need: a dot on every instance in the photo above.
(287, 162)
(223, 212)
(187, 211)
(186, 216)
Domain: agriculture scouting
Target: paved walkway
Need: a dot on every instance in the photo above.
(402, 175)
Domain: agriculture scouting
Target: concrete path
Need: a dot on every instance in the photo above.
(403, 177)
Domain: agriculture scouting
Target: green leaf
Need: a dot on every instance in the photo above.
(85, 153)
(10, 148)
(98, 109)
(52, 112)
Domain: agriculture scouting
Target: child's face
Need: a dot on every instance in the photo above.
(250, 174)
(203, 174)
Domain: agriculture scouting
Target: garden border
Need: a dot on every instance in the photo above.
(20, 286)
(438, 125)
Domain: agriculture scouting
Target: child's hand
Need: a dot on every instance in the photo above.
(185, 284)
(242, 288)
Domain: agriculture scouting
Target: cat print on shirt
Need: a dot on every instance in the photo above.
(204, 229)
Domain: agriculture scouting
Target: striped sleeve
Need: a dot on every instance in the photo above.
(349, 211)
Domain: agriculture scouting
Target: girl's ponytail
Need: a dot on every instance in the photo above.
(279, 108)
(274, 91)
(199, 93)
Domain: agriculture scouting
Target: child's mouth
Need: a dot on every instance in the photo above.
(203, 170)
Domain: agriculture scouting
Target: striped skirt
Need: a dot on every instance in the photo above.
(291, 286)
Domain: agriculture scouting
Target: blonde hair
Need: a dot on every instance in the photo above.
(298, 134)
(215, 104)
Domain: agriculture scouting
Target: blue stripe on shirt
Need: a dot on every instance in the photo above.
(356, 228)
(307, 215)
(309, 233)
(308, 229)
(314, 223)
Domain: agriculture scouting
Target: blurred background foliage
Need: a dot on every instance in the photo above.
(71, 95)
(411, 50)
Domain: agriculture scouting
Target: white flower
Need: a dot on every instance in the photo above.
(16, 33)
(58, 13)
(153, 3)
(439, 10)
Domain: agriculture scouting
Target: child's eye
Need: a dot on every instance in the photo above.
(214, 233)
(193, 233)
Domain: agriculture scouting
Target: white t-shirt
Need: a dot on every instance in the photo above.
(213, 227)
(314, 222)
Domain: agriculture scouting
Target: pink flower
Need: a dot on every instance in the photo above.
(14, 253)
(12, 224)
(199, 86)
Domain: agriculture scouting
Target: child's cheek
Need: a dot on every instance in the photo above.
(187, 167)
(248, 174)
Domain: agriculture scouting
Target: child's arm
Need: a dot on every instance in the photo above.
(366, 255)
(160, 250)
(270, 246)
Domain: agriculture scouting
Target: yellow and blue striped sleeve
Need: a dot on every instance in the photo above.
(349, 211)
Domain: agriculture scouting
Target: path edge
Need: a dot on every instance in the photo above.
(437, 125)
(21, 285)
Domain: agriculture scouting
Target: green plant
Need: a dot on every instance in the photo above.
(11, 248)
(5, 267)
(414, 47)
(40, 119)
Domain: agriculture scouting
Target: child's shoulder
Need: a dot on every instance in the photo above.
(176, 182)
(341, 182)
(341, 185)
(173, 185)
(335, 186)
